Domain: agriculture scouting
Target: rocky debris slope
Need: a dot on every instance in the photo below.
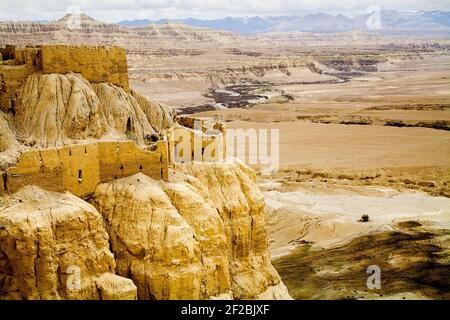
(58, 109)
(45, 237)
(200, 236)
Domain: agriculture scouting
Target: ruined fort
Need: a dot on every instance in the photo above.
(79, 168)
(76, 168)
(95, 64)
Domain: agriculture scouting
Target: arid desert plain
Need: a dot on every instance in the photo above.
(353, 142)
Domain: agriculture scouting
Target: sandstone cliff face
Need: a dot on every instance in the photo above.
(191, 238)
(232, 190)
(158, 114)
(58, 109)
(45, 238)
(7, 137)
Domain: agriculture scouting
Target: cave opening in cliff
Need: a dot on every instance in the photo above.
(128, 130)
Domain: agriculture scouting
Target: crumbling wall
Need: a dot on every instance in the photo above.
(119, 160)
(12, 78)
(207, 140)
(8, 52)
(30, 56)
(18, 64)
(41, 168)
(95, 64)
(80, 168)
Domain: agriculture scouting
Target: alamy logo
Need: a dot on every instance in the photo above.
(74, 20)
(73, 281)
(373, 22)
(252, 146)
(374, 280)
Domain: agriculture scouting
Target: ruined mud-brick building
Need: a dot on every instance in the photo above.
(77, 168)
(80, 167)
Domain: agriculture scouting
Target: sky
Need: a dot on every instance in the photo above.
(117, 10)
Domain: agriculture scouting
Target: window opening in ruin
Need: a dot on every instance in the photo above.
(13, 107)
(5, 181)
(128, 126)
(154, 137)
(80, 175)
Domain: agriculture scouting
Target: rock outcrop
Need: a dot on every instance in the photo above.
(49, 239)
(7, 137)
(82, 29)
(9, 146)
(191, 238)
(58, 109)
(160, 116)
(232, 190)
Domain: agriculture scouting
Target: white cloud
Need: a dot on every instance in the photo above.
(115, 10)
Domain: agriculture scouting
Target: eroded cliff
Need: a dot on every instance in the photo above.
(190, 238)
(58, 109)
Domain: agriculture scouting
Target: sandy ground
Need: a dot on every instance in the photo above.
(327, 216)
(315, 145)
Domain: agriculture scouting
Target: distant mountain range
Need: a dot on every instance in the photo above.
(391, 22)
